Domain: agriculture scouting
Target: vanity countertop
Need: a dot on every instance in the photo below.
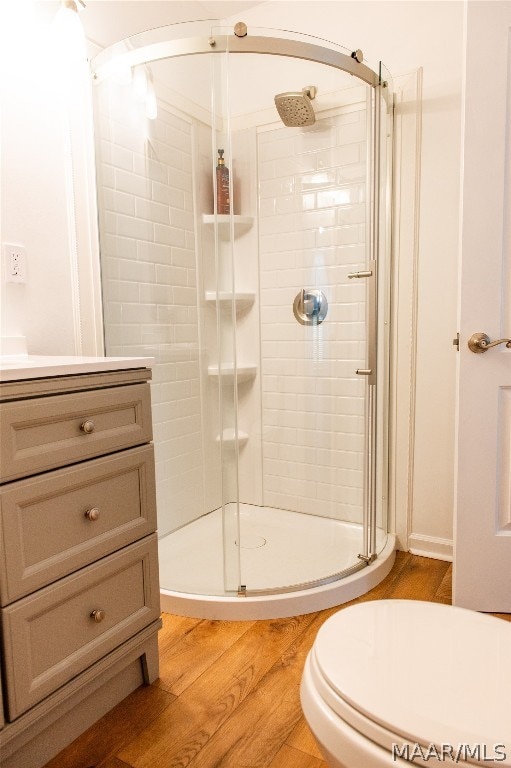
(19, 367)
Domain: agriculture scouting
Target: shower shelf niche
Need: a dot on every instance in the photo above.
(242, 299)
(241, 224)
(226, 374)
(228, 437)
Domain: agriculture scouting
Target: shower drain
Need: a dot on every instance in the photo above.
(252, 541)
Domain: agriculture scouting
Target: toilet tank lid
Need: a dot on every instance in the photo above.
(427, 672)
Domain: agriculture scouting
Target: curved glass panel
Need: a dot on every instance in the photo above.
(301, 471)
(188, 29)
(269, 436)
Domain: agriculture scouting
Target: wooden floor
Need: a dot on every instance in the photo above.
(228, 692)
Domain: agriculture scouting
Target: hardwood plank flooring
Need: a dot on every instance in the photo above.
(118, 726)
(302, 739)
(228, 692)
(184, 657)
(287, 757)
(178, 735)
(113, 762)
(444, 591)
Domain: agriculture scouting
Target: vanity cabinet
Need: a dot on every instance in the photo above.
(79, 589)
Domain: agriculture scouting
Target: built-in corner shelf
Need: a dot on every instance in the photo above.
(229, 438)
(225, 228)
(226, 374)
(242, 299)
(241, 224)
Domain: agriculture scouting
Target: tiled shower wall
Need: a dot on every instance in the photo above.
(149, 282)
(312, 233)
(312, 184)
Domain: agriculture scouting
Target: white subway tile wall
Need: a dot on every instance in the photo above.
(312, 232)
(312, 223)
(150, 284)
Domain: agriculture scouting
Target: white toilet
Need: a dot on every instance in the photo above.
(391, 681)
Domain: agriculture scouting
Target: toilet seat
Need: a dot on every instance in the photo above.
(455, 663)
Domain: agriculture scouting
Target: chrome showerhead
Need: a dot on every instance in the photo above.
(295, 108)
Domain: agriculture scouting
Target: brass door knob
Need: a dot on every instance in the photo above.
(92, 514)
(98, 615)
(480, 342)
(87, 426)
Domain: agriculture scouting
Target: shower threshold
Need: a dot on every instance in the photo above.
(279, 549)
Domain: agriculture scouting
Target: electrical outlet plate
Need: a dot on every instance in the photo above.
(15, 263)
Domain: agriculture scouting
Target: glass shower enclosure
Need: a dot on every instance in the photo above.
(269, 323)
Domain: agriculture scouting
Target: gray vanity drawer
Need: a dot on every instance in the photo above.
(48, 432)
(57, 522)
(52, 635)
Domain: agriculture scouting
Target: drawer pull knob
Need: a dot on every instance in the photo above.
(88, 427)
(92, 514)
(98, 615)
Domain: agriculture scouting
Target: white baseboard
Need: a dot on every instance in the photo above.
(429, 546)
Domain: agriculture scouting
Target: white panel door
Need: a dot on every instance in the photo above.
(482, 570)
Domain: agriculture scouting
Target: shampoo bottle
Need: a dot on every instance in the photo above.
(222, 185)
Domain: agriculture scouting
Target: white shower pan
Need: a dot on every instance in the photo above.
(279, 548)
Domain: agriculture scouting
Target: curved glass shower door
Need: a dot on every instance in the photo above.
(304, 467)
(166, 275)
(267, 320)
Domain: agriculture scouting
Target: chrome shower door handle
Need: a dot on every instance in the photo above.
(480, 342)
(372, 322)
(310, 306)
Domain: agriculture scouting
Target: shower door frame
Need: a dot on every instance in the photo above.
(298, 49)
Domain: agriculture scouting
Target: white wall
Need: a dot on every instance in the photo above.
(405, 35)
(34, 189)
